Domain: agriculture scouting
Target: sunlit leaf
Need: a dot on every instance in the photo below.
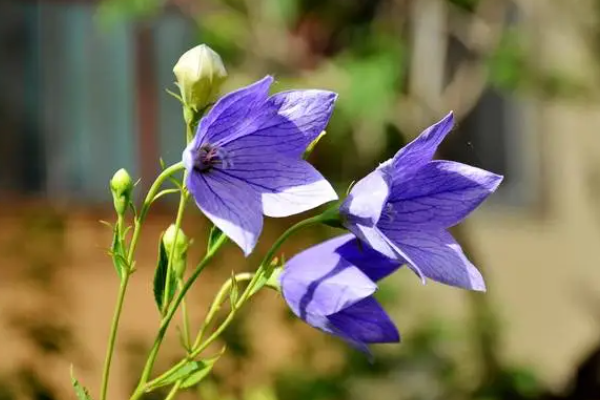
(160, 277)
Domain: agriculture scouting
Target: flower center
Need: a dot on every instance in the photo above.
(210, 156)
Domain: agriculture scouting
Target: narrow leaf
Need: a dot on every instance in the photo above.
(160, 276)
(234, 292)
(185, 371)
(80, 391)
(312, 145)
(118, 254)
(207, 365)
(267, 276)
(214, 235)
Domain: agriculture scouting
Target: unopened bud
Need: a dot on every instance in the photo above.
(200, 73)
(121, 187)
(176, 243)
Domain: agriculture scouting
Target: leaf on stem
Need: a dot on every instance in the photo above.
(160, 277)
(268, 276)
(80, 391)
(312, 145)
(234, 291)
(117, 253)
(190, 373)
(213, 237)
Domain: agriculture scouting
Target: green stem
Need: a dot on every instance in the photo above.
(169, 316)
(219, 299)
(178, 220)
(262, 270)
(130, 254)
(115, 320)
(186, 321)
(217, 302)
(113, 334)
(174, 390)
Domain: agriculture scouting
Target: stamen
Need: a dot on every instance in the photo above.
(210, 156)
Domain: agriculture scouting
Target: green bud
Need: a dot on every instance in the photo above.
(178, 247)
(121, 187)
(200, 73)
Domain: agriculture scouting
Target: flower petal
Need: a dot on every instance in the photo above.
(367, 199)
(297, 117)
(234, 207)
(372, 263)
(287, 186)
(365, 322)
(438, 256)
(439, 195)
(318, 281)
(421, 150)
(374, 238)
(235, 113)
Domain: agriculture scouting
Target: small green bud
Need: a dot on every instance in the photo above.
(200, 73)
(121, 187)
(178, 247)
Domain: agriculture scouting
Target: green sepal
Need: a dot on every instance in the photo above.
(269, 277)
(190, 373)
(312, 145)
(160, 277)
(213, 237)
(80, 391)
(117, 252)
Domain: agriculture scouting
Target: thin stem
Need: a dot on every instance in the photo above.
(113, 335)
(174, 390)
(219, 299)
(262, 269)
(124, 282)
(186, 321)
(217, 302)
(169, 316)
(178, 220)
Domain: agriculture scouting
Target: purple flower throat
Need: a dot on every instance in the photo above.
(209, 156)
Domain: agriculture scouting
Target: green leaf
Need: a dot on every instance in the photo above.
(117, 253)
(190, 373)
(234, 292)
(214, 235)
(206, 366)
(269, 276)
(160, 277)
(312, 145)
(80, 391)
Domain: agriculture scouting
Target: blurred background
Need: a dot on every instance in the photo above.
(83, 94)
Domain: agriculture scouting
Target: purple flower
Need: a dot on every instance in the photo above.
(331, 286)
(245, 160)
(403, 208)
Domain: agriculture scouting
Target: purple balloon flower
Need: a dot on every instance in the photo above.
(331, 286)
(403, 208)
(245, 160)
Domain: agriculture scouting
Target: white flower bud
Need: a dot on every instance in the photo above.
(200, 73)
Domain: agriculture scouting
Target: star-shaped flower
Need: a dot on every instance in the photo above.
(246, 158)
(403, 208)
